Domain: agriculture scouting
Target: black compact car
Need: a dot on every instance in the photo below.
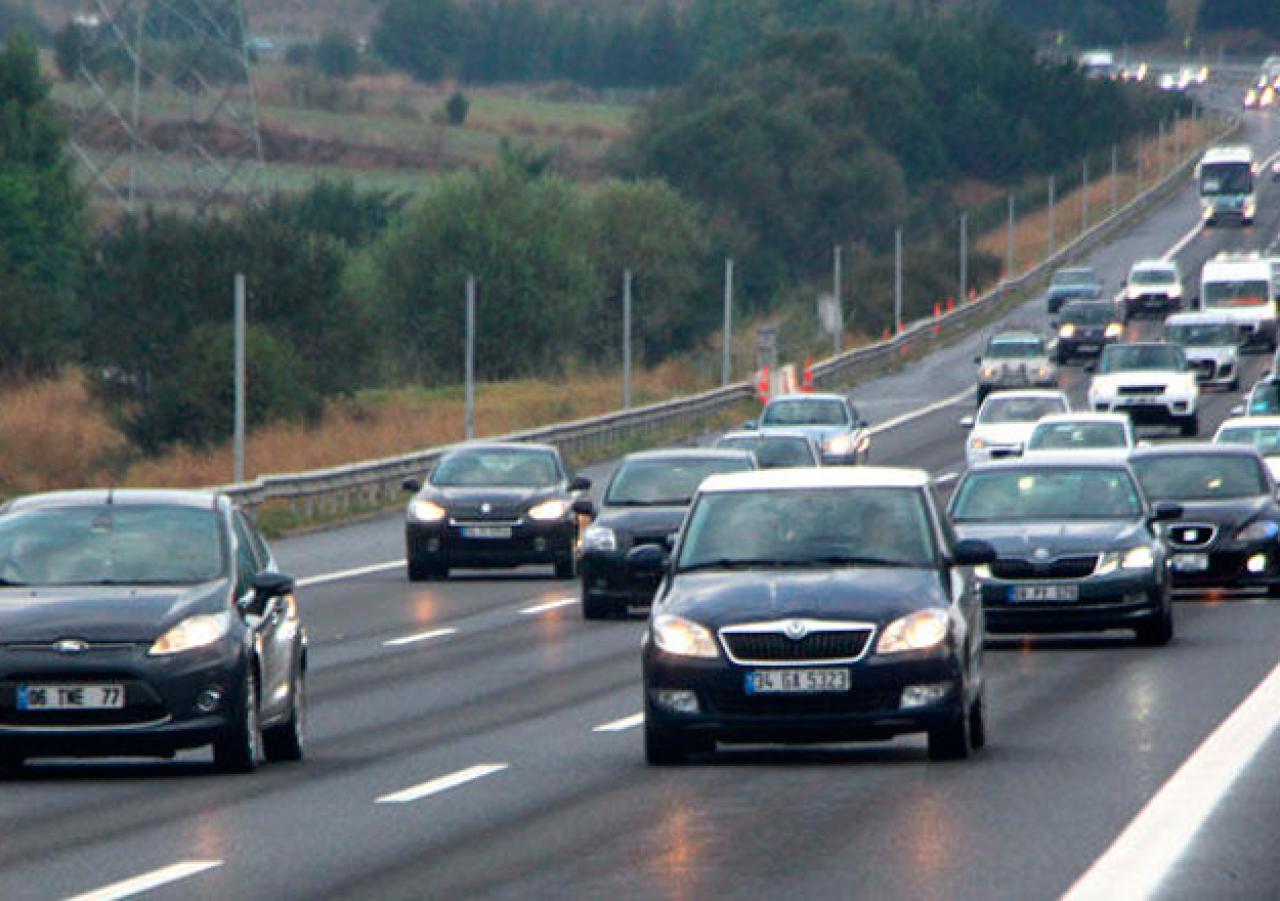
(1079, 283)
(776, 448)
(818, 605)
(645, 503)
(1076, 543)
(141, 623)
(1229, 533)
(493, 505)
(1085, 327)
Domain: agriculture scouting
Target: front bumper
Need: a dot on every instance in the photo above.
(1105, 602)
(1229, 566)
(1167, 410)
(870, 711)
(160, 715)
(529, 542)
(1151, 305)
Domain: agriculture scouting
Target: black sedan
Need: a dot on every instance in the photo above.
(1076, 546)
(776, 448)
(141, 623)
(493, 505)
(645, 503)
(1229, 533)
(1085, 327)
(813, 606)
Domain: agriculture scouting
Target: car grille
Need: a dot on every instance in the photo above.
(1191, 534)
(858, 700)
(1141, 389)
(769, 642)
(641, 540)
(1062, 568)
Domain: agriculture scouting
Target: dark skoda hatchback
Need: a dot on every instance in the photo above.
(823, 605)
(140, 623)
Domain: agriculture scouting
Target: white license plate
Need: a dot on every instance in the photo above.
(70, 697)
(1087, 348)
(796, 681)
(1044, 594)
(486, 532)
(1190, 563)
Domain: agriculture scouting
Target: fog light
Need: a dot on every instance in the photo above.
(209, 700)
(433, 545)
(677, 700)
(1257, 563)
(925, 695)
(539, 544)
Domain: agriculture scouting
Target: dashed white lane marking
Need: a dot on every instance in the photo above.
(127, 888)
(353, 573)
(923, 411)
(549, 605)
(627, 722)
(442, 783)
(946, 477)
(420, 636)
(1148, 849)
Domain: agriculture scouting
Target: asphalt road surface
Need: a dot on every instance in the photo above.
(477, 738)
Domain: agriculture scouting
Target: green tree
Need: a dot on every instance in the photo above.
(422, 37)
(336, 55)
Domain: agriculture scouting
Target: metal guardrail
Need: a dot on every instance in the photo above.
(376, 483)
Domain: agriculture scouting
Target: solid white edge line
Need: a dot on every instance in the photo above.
(352, 573)
(923, 411)
(621, 725)
(147, 881)
(549, 605)
(1143, 855)
(442, 783)
(420, 636)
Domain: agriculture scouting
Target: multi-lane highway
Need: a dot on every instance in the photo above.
(478, 738)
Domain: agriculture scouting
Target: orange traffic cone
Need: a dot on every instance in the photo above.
(806, 381)
(937, 314)
(973, 294)
(951, 304)
(762, 386)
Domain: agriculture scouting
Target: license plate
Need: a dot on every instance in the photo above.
(70, 697)
(1044, 594)
(1087, 348)
(486, 532)
(796, 681)
(1190, 563)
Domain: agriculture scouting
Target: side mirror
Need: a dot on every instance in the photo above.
(967, 422)
(580, 483)
(647, 559)
(1165, 511)
(266, 586)
(670, 540)
(749, 425)
(973, 553)
(412, 485)
(583, 507)
(1237, 410)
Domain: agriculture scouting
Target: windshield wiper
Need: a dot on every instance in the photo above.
(11, 583)
(727, 563)
(669, 502)
(850, 560)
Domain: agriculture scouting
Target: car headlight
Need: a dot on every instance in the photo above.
(599, 538)
(549, 510)
(1261, 530)
(1175, 291)
(917, 631)
(1139, 557)
(1044, 372)
(989, 372)
(1114, 329)
(1067, 330)
(426, 511)
(682, 637)
(977, 443)
(197, 631)
(839, 445)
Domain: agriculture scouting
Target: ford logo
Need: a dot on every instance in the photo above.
(486, 508)
(1041, 553)
(796, 629)
(71, 646)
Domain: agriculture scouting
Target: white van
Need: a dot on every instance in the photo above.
(1240, 287)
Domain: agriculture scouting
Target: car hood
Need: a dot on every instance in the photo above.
(874, 594)
(501, 501)
(647, 521)
(1004, 432)
(1023, 539)
(1227, 513)
(103, 613)
(1169, 378)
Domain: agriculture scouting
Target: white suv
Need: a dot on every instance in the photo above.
(1150, 381)
(1154, 287)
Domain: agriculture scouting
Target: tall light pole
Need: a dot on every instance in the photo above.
(837, 336)
(897, 281)
(1008, 236)
(239, 328)
(726, 362)
(471, 357)
(964, 257)
(1052, 206)
(626, 340)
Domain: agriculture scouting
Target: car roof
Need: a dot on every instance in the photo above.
(689, 453)
(1027, 393)
(833, 477)
(1062, 459)
(768, 432)
(1086, 302)
(1141, 344)
(1015, 336)
(120, 497)
(1084, 416)
(1252, 422)
(1075, 270)
(815, 396)
(1162, 265)
(1199, 317)
(502, 445)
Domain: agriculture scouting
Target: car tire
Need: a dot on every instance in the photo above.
(286, 741)
(594, 606)
(567, 567)
(665, 748)
(1234, 385)
(978, 724)
(425, 569)
(1157, 631)
(1189, 426)
(952, 741)
(1063, 359)
(239, 748)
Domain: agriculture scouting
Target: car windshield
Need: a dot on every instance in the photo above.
(667, 482)
(774, 451)
(1014, 348)
(1203, 334)
(1142, 357)
(808, 527)
(1200, 477)
(1265, 399)
(1003, 408)
(1266, 438)
(805, 412)
(1077, 436)
(1234, 294)
(1088, 313)
(1066, 278)
(1046, 493)
(1226, 178)
(497, 468)
(1153, 277)
(111, 544)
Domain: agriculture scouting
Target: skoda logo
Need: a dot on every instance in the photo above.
(1041, 553)
(71, 646)
(486, 508)
(795, 629)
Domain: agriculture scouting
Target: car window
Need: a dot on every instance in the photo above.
(1204, 334)
(1088, 313)
(667, 482)
(805, 412)
(1017, 349)
(1153, 277)
(497, 467)
(1005, 409)
(248, 563)
(774, 451)
(1142, 357)
(1200, 477)
(1046, 493)
(824, 526)
(1265, 399)
(1077, 435)
(1064, 277)
(1265, 438)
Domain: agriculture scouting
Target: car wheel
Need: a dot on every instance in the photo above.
(952, 741)
(1235, 385)
(664, 748)
(1063, 358)
(285, 741)
(424, 569)
(239, 749)
(977, 724)
(1190, 426)
(567, 567)
(1157, 631)
(594, 606)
